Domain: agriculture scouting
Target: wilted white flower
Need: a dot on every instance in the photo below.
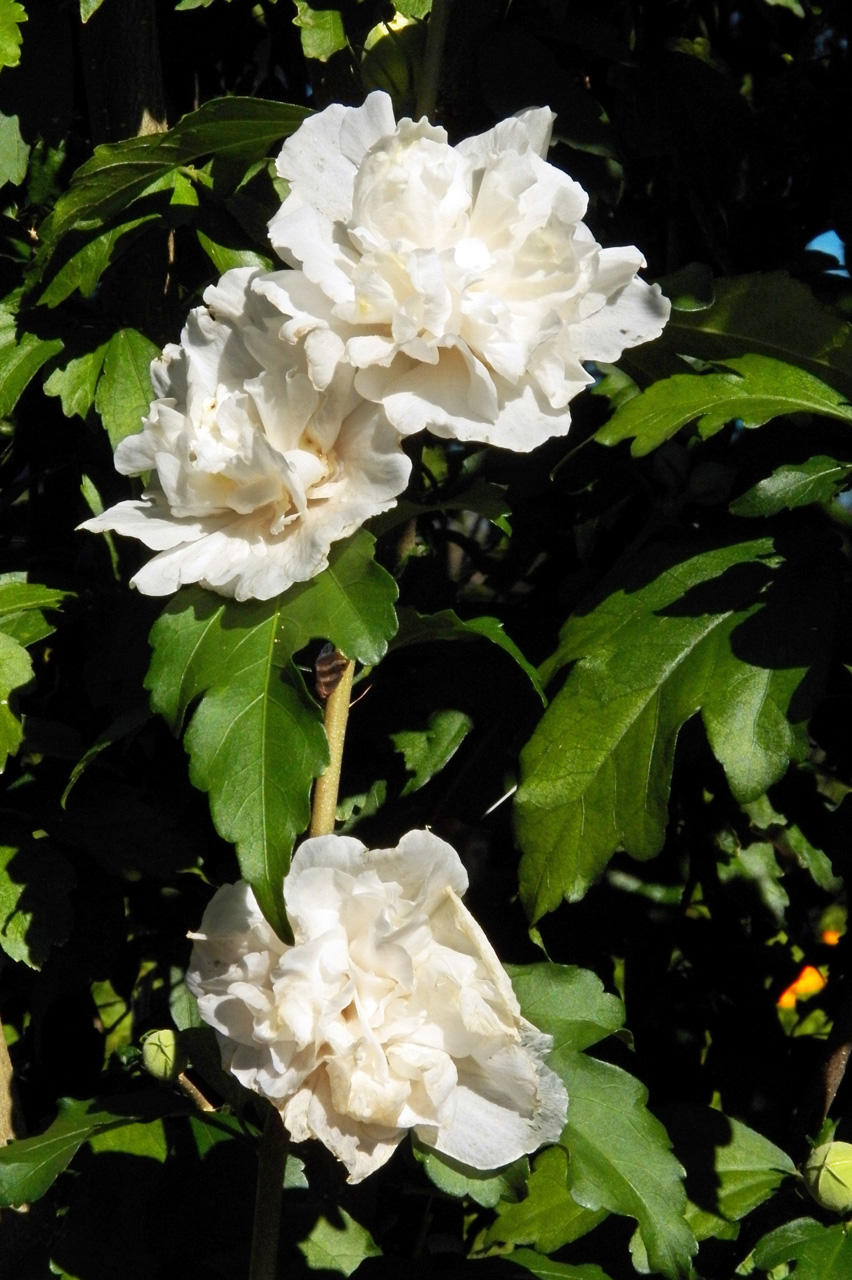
(254, 472)
(390, 1012)
(460, 281)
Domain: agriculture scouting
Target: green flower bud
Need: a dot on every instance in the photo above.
(162, 1055)
(828, 1176)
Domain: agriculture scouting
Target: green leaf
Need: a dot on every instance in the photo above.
(340, 1248)
(732, 1169)
(225, 258)
(570, 1002)
(256, 740)
(14, 152)
(758, 866)
(21, 355)
(620, 1159)
(12, 15)
(770, 315)
(16, 670)
(820, 1253)
(414, 8)
(728, 632)
(125, 392)
(755, 390)
(483, 1187)
(22, 606)
(35, 911)
(548, 1217)
(148, 1140)
(426, 751)
(423, 628)
(793, 5)
(818, 479)
(88, 7)
(547, 1269)
(321, 30)
(83, 269)
(30, 1166)
(351, 604)
(119, 173)
(76, 381)
(619, 1154)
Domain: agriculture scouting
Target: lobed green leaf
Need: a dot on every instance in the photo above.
(818, 479)
(770, 315)
(256, 740)
(753, 389)
(12, 15)
(124, 392)
(426, 751)
(30, 1166)
(819, 1252)
(728, 632)
(21, 354)
(620, 1157)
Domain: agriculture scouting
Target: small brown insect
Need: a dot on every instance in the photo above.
(328, 669)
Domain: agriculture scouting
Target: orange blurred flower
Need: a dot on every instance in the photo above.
(808, 983)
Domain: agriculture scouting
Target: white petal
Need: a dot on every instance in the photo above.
(637, 314)
(320, 159)
(530, 130)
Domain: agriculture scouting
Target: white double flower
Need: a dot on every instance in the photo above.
(254, 472)
(460, 282)
(390, 1012)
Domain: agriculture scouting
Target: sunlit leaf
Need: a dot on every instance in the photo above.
(12, 15)
(456, 1179)
(224, 258)
(817, 479)
(35, 910)
(14, 152)
(619, 1154)
(256, 740)
(819, 1252)
(75, 383)
(733, 1169)
(21, 355)
(124, 392)
(88, 7)
(29, 1166)
(84, 268)
(752, 390)
(22, 606)
(321, 30)
(339, 1246)
(548, 1217)
(426, 751)
(120, 172)
(729, 632)
(771, 315)
(16, 670)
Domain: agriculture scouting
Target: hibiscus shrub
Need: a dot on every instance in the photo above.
(493, 364)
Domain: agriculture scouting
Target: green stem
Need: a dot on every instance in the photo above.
(427, 99)
(325, 789)
(267, 1205)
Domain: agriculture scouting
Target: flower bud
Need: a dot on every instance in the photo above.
(828, 1176)
(162, 1055)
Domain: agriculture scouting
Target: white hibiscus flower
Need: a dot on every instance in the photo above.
(389, 1012)
(461, 282)
(254, 472)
